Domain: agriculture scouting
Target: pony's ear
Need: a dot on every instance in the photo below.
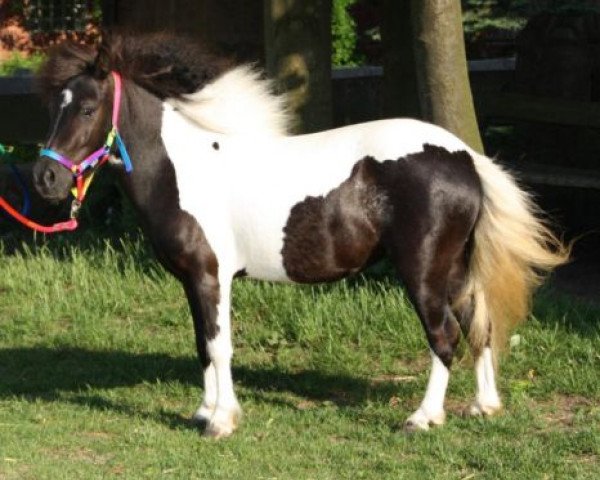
(103, 62)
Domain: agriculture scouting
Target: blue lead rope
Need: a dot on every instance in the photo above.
(26, 197)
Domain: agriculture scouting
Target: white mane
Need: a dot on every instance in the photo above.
(237, 102)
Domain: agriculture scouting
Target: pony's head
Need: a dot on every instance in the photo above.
(79, 85)
(78, 90)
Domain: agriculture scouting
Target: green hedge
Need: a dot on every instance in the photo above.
(343, 31)
(19, 61)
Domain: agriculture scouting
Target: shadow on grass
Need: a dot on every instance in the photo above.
(128, 247)
(572, 313)
(42, 373)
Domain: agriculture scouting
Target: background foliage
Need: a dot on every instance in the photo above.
(353, 34)
(480, 15)
(343, 31)
(16, 62)
(356, 40)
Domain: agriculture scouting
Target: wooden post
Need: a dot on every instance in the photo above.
(298, 57)
(444, 88)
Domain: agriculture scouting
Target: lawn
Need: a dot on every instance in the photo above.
(98, 379)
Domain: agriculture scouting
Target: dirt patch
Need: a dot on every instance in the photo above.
(78, 454)
(393, 379)
(560, 411)
(590, 459)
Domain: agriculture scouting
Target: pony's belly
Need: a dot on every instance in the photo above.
(265, 268)
(312, 238)
(259, 239)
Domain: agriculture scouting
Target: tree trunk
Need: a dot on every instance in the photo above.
(444, 88)
(298, 57)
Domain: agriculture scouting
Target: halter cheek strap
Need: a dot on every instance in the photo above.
(114, 134)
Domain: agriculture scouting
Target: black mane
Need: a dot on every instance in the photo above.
(165, 64)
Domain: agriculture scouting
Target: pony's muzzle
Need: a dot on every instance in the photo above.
(51, 180)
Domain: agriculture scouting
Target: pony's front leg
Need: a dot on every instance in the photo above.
(209, 401)
(210, 305)
(227, 412)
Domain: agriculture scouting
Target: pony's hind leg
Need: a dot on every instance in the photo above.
(434, 201)
(426, 281)
(442, 333)
(487, 400)
(431, 410)
(432, 265)
(466, 305)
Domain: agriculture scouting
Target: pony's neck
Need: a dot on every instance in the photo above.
(152, 186)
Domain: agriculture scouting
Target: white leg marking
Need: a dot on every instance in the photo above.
(209, 402)
(487, 400)
(431, 410)
(227, 412)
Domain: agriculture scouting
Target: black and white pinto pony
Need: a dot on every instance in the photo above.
(224, 191)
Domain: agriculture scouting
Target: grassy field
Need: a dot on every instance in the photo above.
(98, 379)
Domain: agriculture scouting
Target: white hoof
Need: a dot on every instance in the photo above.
(485, 409)
(223, 423)
(421, 420)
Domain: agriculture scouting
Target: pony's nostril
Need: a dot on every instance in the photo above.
(49, 178)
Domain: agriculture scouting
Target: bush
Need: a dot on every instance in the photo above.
(343, 31)
(18, 61)
(481, 15)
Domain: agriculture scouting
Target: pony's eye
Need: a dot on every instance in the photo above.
(87, 111)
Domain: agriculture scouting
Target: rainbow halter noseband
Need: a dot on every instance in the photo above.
(92, 161)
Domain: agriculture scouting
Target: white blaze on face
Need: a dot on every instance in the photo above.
(67, 98)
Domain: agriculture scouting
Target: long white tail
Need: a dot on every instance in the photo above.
(512, 250)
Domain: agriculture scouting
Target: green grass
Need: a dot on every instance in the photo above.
(98, 379)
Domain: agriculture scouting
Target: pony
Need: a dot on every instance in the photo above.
(223, 190)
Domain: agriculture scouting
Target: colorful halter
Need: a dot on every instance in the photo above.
(96, 159)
